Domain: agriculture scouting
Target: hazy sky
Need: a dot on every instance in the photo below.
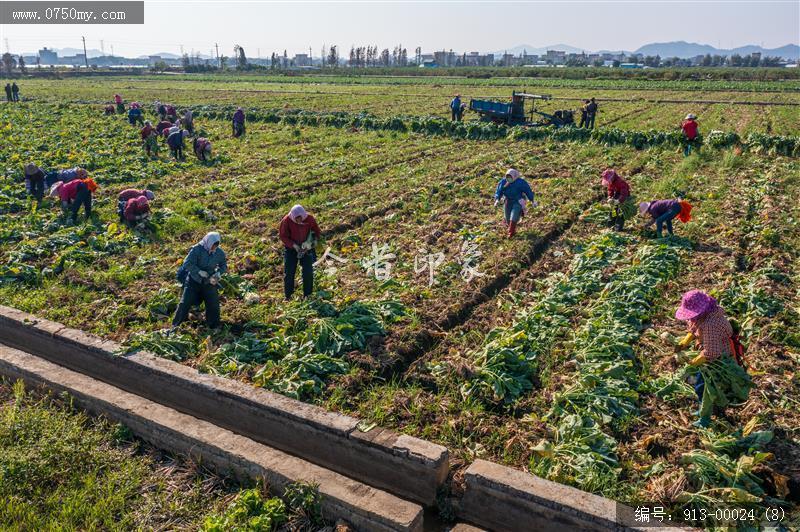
(463, 26)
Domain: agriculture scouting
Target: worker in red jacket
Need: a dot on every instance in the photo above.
(136, 210)
(74, 194)
(149, 139)
(129, 194)
(690, 130)
(297, 231)
(618, 193)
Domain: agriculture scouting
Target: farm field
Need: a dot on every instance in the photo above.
(552, 352)
(630, 105)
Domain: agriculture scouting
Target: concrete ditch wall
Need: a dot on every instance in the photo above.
(501, 498)
(403, 465)
(363, 506)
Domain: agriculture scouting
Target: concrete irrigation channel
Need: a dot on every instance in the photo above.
(377, 480)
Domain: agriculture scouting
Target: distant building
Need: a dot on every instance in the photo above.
(630, 65)
(429, 63)
(48, 57)
(153, 59)
(555, 57)
(302, 60)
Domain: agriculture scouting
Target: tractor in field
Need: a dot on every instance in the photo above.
(513, 114)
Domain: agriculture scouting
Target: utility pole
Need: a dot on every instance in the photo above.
(85, 57)
(216, 46)
(102, 47)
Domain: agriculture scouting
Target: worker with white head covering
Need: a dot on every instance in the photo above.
(200, 274)
(298, 231)
(690, 132)
(514, 192)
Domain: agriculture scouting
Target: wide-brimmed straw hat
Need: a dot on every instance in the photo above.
(694, 304)
(690, 116)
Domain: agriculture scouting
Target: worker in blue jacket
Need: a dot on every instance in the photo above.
(455, 108)
(515, 193)
(201, 272)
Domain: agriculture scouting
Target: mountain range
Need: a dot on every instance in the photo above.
(682, 49)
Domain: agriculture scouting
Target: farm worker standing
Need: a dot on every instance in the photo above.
(513, 191)
(188, 121)
(455, 108)
(34, 181)
(591, 112)
(297, 231)
(15, 91)
(136, 210)
(135, 116)
(200, 273)
(129, 194)
(119, 104)
(584, 114)
(74, 194)
(690, 130)
(9, 97)
(202, 148)
(722, 377)
(664, 211)
(238, 122)
(175, 143)
(149, 138)
(619, 192)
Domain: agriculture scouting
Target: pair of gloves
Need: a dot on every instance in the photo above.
(213, 279)
(521, 202)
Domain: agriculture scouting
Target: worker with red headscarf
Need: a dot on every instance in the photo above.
(662, 212)
(619, 192)
(74, 194)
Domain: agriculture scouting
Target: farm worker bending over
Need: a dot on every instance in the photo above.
(161, 109)
(74, 194)
(663, 212)
(109, 110)
(135, 116)
(129, 194)
(722, 377)
(188, 121)
(297, 231)
(202, 148)
(119, 104)
(65, 176)
(172, 114)
(163, 126)
(200, 273)
(514, 192)
(455, 108)
(34, 181)
(136, 210)
(619, 192)
(149, 138)
(238, 122)
(175, 142)
(690, 130)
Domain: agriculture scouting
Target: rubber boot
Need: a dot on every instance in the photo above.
(619, 223)
(512, 229)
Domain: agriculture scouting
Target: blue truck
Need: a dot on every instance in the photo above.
(513, 113)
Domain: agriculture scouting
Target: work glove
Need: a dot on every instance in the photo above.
(685, 342)
(203, 274)
(214, 279)
(297, 247)
(699, 360)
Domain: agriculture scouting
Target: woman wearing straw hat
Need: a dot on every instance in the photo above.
(690, 131)
(722, 378)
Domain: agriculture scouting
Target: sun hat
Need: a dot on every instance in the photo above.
(643, 206)
(513, 172)
(694, 304)
(31, 169)
(690, 116)
(608, 176)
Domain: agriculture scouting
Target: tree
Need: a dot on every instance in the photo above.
(185, 61)
(21, 64)
(285, 59)
(323, 55)
(418, 53)
(9, 63)
(385, 57)
(159, 66)
(223, 62)
(333, 56)
(241, 59)
(352, 61)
